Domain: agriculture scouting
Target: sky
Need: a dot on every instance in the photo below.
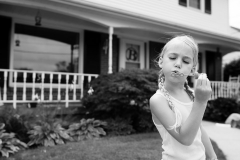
(234, 21)
(234, 13)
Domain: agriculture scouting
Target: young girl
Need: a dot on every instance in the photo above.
(177, 113)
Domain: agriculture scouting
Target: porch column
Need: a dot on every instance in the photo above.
(110, 31)
(1, 103)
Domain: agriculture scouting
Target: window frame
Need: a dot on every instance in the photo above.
(63, 27)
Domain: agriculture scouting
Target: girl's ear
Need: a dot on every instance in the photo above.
(160, 61)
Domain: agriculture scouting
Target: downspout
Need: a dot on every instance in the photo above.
(110, 31)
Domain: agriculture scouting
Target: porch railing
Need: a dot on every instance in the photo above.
(224, 89)
(22, 86)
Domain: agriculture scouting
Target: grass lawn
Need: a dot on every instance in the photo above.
(133, 147)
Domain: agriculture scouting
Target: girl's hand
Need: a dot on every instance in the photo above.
(196, 75)
(203, 89)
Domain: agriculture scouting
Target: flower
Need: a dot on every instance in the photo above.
(17, 116)
(90, 91)
(35, 97)
(132, 102)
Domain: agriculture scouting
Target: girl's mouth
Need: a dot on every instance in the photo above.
(177, 74)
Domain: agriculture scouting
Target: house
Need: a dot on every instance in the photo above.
(56, 44)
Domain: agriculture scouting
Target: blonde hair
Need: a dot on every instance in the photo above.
(189, 41)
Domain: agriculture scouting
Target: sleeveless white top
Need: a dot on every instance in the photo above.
(173, 150)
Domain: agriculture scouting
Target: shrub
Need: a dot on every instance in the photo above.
(47, 134)
(46, 130)
(123, 94)
(86, 129)
(219, 109)
(9, 143)
(15, 122)
(118, 126)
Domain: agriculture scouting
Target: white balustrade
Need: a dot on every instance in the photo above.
(20, 86)
(224, 89)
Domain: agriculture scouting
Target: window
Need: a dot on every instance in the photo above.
(183, 3)
(208, 6)
(191, 3)
(195, 4)
(45, 49)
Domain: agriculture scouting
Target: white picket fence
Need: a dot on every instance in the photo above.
(21, 86)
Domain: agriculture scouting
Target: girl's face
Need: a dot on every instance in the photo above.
(177, 58)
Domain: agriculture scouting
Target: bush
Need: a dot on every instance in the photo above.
(86, 129)
(47, 134)
(14, 122)
(125, 95)
(118, 126)
(219, 109)
(9, 143)
(46, 129)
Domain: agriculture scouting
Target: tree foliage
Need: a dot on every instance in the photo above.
(232, 69)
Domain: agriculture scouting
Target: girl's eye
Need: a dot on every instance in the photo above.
(172, 58)
(186, 62)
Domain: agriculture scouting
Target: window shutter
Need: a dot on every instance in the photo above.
(183, 3)
(208, 6)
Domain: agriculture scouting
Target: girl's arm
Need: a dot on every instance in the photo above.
(210, 153)
(188, 130)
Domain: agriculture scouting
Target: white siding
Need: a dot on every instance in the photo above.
(170, 11)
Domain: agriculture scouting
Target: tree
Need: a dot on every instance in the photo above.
(232, 69)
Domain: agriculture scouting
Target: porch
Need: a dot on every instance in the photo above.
(21, 86)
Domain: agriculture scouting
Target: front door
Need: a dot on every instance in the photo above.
(131, 54)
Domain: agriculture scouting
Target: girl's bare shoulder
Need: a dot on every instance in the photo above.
(158, 100)
(160, 109)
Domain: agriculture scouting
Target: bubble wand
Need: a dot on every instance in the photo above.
(175, 74)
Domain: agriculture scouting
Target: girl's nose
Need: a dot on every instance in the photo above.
(178, 64)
